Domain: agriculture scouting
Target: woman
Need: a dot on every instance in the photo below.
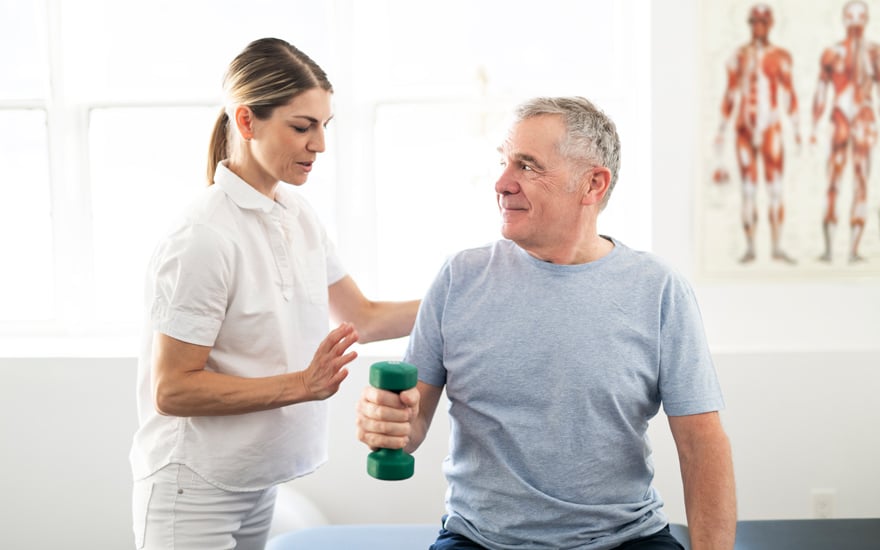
(235, 363)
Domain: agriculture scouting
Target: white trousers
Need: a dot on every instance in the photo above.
(175, 509)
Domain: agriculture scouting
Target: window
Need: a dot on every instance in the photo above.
(112, 105)
(27, 291)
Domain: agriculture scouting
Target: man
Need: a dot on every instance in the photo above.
(556, 346)
(851, 69)
(759, 77)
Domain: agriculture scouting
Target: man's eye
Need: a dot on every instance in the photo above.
(526, 168)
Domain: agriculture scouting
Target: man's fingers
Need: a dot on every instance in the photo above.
(383, 398)
(410, 397)
(378, 441)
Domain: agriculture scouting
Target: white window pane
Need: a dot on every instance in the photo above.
(172, 50)
(146, 165)
(27, 281)
(436, 166)
(25, 73)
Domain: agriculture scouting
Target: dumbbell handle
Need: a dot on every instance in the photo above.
(392, 464)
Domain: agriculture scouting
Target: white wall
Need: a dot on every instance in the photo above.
(65, 425)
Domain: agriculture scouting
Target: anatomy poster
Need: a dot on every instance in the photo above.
(788, 185)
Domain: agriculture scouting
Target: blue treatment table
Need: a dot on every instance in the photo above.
(794, 534)
(360, 537)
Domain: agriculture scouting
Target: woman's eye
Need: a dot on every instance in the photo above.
(300, 129)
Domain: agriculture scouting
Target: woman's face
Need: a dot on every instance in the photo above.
(286, 145)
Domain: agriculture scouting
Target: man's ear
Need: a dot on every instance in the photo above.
(599, 178)
(244, 121)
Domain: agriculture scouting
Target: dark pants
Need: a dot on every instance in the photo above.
(661, 540)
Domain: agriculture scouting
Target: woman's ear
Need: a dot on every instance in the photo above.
(244, 122)
(599, 178)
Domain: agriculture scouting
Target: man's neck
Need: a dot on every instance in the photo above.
(586, 251)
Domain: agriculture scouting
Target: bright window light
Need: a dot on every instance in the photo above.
(436, 165)
(27, 279)
(113, 104)
(146, 165)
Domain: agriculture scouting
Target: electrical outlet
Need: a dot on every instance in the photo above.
(823, 503)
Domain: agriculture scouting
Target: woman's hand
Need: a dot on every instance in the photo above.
(326, 371)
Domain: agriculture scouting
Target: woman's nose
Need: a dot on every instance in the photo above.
(316, 142)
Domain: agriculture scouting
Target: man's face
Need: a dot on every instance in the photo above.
(538, 201)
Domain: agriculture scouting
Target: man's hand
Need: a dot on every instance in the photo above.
(385, 419)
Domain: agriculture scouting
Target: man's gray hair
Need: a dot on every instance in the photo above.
(591, 137)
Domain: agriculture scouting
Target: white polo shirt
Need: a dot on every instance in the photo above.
(247, 276)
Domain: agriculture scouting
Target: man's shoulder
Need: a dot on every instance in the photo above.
(642, 263)
(470, 263)
(482, 253)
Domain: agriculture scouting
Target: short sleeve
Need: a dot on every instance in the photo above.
(192, 274)
(688, 382)
(425, 348)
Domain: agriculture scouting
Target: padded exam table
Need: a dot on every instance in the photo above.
(794, 534)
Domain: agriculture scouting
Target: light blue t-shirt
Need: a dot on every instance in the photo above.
(552, 373)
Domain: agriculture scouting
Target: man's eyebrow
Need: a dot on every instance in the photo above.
(528, 159)
(519, 156)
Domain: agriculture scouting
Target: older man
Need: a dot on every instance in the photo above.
(556, 346)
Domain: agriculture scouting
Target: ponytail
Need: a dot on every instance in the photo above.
(219, 147)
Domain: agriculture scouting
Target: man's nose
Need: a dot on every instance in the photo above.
(506, 183)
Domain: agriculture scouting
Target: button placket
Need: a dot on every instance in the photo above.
(280, 246)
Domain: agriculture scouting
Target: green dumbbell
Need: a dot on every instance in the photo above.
(392, 464)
